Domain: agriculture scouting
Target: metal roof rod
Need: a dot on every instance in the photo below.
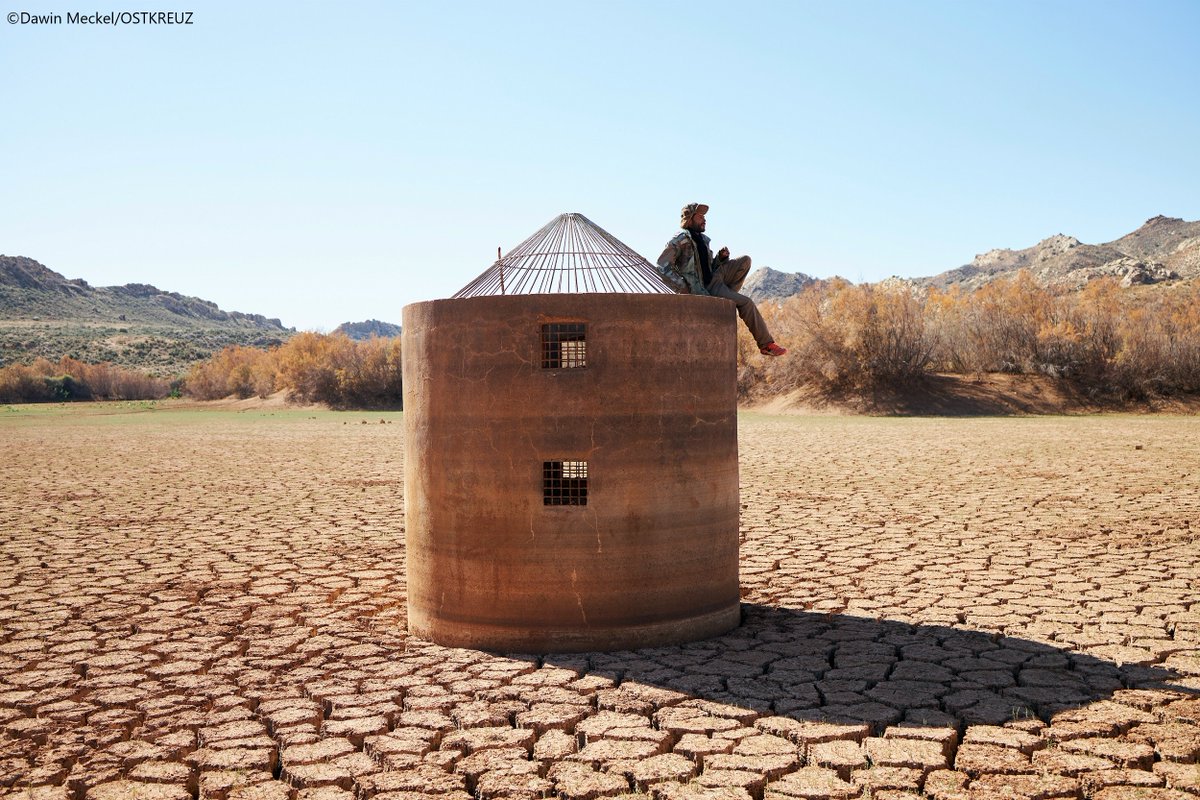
(569, 255)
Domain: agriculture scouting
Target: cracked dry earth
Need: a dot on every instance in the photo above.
(211, 604)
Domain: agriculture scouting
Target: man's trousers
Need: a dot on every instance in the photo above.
(726, 282)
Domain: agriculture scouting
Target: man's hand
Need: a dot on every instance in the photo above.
(723, 254)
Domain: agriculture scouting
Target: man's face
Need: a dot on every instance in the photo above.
(698, 221)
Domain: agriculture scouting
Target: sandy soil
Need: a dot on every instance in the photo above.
(210, 603)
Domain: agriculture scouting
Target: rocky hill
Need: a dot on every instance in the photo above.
(1163, 250)
(43, 314)
(361, 331)
(28, 289)
(769, 284)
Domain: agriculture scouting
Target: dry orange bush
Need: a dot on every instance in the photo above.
(1105, 340)
(239, 371)
(26, 383)
(307, 366)
(993, 329)
(843, 338)
(1159, 352)
(370, 375)
(69, 379)
(311, 367)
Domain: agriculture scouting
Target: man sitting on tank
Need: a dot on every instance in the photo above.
(688, 266)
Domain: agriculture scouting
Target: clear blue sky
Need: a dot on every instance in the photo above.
(328, 162)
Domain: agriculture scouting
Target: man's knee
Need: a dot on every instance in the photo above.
(736, 271)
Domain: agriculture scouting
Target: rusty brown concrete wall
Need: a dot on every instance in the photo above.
(652, 558)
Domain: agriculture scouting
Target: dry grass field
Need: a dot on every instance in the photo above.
(210, 603)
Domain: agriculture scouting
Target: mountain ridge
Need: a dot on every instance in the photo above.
(29, 288)
(46, 315)
(1164, 250)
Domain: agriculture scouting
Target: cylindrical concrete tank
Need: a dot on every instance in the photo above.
(571, 470)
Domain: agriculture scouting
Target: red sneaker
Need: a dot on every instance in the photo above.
(773, 349)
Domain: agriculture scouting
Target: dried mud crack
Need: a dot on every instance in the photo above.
(194, 605)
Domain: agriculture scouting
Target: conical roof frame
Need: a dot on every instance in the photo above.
(569, 255)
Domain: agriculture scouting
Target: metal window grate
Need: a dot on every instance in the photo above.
(564, 345)
(564, 483)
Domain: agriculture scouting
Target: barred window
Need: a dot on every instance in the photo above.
(564, 345)
(564, 483)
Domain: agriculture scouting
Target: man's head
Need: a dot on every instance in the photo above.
(692, 216)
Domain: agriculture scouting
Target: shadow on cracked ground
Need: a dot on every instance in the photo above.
(856, 670)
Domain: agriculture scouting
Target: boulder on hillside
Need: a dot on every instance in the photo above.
(136, 290)
(1140, 273)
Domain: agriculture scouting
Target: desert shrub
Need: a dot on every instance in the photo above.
(370, 375)
(1113, 342)
(235, 370)
(26, 383)
(308, 366)
(64, 387)
(108, 382)
(1016, 326)
(845, 338)
(71, 379)
(311, 367)
(205, 382)
(887, 334)
(1083, 341)
(1158, 351)
(1000, 327)
(1105, 340)
(1181, 331)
